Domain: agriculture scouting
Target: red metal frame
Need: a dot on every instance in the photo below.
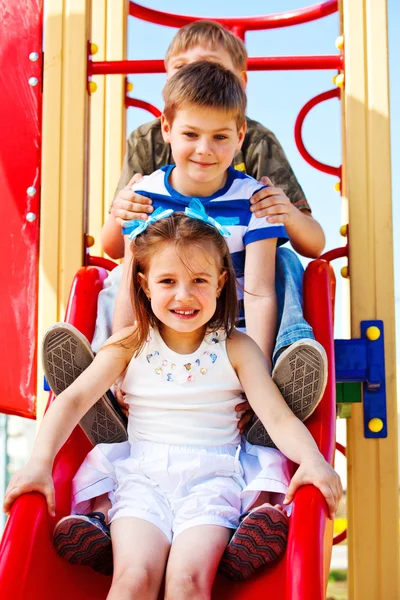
(298, 130)
(239, 26)
(285, 19)
(20, 127)
(255, 63)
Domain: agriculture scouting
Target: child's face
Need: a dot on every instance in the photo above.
(203, 142)
(198, 53)
(183, 295)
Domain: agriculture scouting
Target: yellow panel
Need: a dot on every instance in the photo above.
(97, 117)
(115, 134)
(73, 130)
(372, 464)
(63, 159)
(50, 184)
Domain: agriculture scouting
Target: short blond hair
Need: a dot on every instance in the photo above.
(208, 34)
(205, 84)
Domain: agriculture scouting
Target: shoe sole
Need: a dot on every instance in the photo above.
(260, 539)
(82, 543)
(66, 353)
(301, 376)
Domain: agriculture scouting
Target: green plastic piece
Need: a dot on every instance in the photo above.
(348, 393)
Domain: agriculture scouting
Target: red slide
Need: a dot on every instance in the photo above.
(30, 569)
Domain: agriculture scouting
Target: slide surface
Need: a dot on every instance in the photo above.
(30, 569)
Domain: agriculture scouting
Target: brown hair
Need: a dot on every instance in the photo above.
(205, 84)
(182, 231)
(208, 34)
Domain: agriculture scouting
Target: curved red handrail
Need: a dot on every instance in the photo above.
(285, 19)
(100, 261)
(335, 93)
(335, 253)
(135, 102)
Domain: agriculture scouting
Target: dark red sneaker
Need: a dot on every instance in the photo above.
(85, 540)
(259, 540)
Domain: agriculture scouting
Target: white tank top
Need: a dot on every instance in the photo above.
(182, 398)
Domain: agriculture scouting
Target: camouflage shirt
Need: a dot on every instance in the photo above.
(261, 154)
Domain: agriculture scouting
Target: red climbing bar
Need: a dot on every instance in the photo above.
(335, 93)
(285, 19)
(267, 63)
(142, 104)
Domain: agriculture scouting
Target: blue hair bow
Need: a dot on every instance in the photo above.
(136, 226)
(196, 210)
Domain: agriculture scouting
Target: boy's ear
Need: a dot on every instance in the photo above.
(241, 134)
(221, 282)
(165, 129)
(143, 283)
(244, 78)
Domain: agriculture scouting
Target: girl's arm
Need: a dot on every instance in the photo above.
(123, 311)
(260, 306)
(289, 434)
(61, 418)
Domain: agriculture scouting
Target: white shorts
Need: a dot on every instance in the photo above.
(178, 487)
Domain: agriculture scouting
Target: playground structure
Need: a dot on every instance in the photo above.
(67, 134)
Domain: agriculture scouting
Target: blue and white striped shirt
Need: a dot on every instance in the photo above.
(233, 200)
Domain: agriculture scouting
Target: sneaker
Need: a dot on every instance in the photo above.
(300, 373)
(260, 540)
(85, 540)
(66, 353)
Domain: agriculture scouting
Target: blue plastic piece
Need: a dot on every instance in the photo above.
(46, 386)
(363, 360)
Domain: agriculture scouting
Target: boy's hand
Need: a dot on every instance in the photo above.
(245, 408)
(128, 205)
(31, 479)
(272, 203)
(319, 473)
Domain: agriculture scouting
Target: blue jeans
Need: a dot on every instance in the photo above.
(289, 291)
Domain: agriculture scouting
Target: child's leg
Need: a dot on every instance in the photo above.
(193, 562)
(140, 552)
(300, 370)
(65, 354)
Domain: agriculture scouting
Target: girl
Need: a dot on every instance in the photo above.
(178, 486)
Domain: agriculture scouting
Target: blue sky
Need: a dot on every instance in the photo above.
(275, 98)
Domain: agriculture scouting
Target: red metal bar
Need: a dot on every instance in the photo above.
(298, 128)
(285, 19)
(335, 253)
(142, 104)
(99, 261)
(255, 63)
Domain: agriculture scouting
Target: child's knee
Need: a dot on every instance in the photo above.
(138, 580)
(182, 585)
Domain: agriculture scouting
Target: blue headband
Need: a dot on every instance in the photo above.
(195, 210)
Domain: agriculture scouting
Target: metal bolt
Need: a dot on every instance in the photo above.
(31, 191)
(33, 56)
(30, 217)
(33, 81)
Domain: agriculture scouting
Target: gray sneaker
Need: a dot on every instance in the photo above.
(66, 353)
(300, 373)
